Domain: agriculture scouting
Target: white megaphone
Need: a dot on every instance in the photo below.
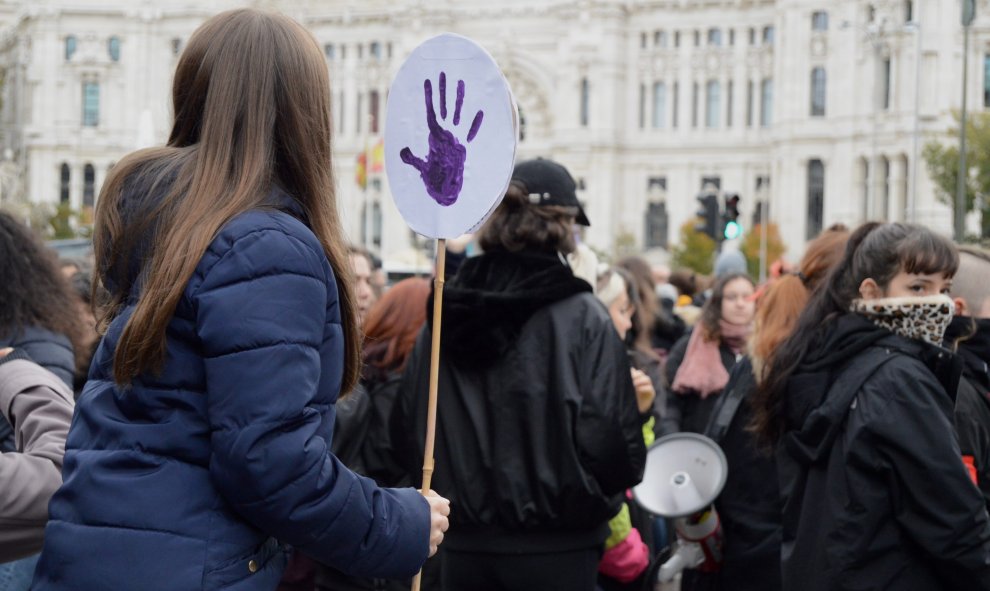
(684, 474)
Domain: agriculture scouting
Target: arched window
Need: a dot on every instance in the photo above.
(375, 224)
(373, 110)
(70, 47)
(113, 48)
(91, 103)
(818, 92)
(585, 101)
(713, 101)
(659, 105)
(884, 188)
(819, 21)
(768, 36)
(656, 225)
(64, 183)
(522, 124)
(766, 102)
(642, 106)
(816, 198)
(89, 186)
(863, 182)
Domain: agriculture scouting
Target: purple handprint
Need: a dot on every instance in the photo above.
(443, 170)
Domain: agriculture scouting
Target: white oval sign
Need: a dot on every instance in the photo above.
(450, 137)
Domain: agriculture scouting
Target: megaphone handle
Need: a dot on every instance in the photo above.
(688, 555)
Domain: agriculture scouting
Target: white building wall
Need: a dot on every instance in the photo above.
(546, 48)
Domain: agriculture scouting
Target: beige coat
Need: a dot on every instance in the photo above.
(39, 406)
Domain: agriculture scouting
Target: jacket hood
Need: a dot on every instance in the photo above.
(486, 304)
(812, 419)
(814, 416)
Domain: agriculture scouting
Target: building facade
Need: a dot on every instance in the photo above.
(816, 109)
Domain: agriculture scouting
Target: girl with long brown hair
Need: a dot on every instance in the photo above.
(200, 443)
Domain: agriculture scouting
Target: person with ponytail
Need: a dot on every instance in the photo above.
(857, 404)
(749, 505)
(698, 366)
(200, 447)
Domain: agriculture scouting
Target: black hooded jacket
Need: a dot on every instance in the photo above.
(875, 494)
(972, 412)
(537, 424)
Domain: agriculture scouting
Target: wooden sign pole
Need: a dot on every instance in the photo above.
(431, 413)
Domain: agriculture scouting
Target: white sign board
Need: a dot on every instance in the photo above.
(450, 137)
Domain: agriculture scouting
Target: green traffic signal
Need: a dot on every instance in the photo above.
(732, 230)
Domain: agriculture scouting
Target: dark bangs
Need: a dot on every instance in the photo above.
(928, 253)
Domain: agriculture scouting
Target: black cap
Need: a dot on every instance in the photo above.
(549, 183)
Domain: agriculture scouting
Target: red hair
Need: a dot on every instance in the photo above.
(393, 323)
(784, 300)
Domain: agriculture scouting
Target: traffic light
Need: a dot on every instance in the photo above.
(732, 229)
(708, 215)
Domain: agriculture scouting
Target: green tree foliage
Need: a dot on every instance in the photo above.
(696, 250)
(751, 248)
(62, 222)
(942, 159)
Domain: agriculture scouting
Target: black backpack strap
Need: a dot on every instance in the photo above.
(726, 408)
(856, 373)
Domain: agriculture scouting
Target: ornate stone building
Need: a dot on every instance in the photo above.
(809, 106)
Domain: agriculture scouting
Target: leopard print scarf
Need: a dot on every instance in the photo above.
(921, 318)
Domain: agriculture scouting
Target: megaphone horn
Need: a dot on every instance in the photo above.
(684, 474)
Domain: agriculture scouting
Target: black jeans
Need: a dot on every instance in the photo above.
(574, 570)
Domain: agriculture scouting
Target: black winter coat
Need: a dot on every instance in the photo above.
(875, 494)
(537, 429)
(689, 412)
(749, 506)
(972, 412)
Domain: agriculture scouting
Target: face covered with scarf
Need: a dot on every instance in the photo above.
(915, 306)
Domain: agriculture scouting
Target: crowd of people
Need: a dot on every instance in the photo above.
(248, 398)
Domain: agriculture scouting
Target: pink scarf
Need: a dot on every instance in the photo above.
(701, 371)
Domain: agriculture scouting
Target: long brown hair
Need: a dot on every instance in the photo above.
(781, 304)
(875, 250)
(648, 305)
(251, 97)
(393, 323)
(710, 321)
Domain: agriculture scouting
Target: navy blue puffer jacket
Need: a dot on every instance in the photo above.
(195, 479)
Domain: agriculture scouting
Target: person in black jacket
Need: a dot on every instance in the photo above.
(537, 425)
(969, 335)
(698, 366)
(749, 504)
(857, 404)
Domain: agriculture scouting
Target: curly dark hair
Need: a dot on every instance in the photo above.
(33, 291)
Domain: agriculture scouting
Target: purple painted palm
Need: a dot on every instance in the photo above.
(443, 169)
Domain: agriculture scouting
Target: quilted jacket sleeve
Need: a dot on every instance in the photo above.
(39, 406)
(262, 311)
